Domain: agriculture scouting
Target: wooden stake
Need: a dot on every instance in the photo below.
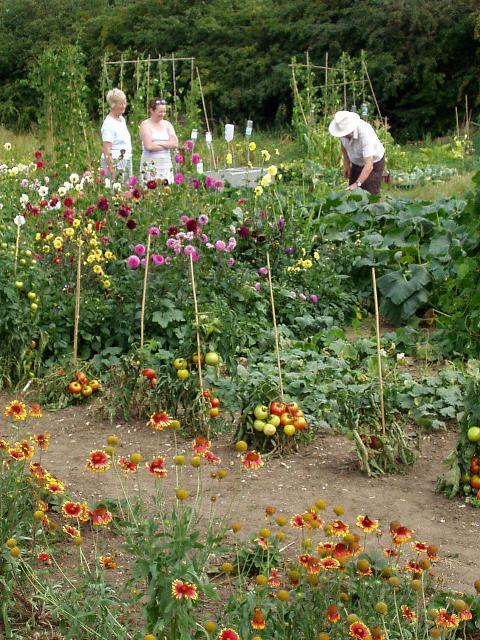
(297, 95)
(76, 319)
(17, 248)
(372, 90)
(199, 342)
(147, 96)
(275, 330)
(203, 101)
(144, 292)
(457, 121)
(379, 355)
(175, 114)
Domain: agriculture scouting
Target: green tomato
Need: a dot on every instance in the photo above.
(34, 306)
(473, 434)
(259, 425)
(269, 429)
(31, 295)
(212, 359)
(18, 284)
(261, 412)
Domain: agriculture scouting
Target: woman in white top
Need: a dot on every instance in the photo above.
(117, 143)
(158, 137)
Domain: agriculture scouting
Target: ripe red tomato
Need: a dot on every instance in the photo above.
(292, 408)
(81, 377)
(277, 408)
(215, 402)
(207, 394)
(149, 374)
(300, 424)
(475, 482)
(75, 387)
(474, 466)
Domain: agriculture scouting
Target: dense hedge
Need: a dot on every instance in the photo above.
(423, 54)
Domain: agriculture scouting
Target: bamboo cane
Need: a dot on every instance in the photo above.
(77, 303)
(457, 122)
(275, 330)
(197, 331)
(379, 355)
(297, 95)
(144, 292)
(17, 248)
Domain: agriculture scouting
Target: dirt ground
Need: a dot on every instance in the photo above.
(326, 469)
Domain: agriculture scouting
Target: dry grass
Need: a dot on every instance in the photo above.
(457, 186)
(23, 146)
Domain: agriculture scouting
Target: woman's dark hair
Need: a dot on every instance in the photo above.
(155, 102)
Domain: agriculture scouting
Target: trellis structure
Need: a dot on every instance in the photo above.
(147, 78)
(316, 98)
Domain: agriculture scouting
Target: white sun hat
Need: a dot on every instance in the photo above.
(343, 123)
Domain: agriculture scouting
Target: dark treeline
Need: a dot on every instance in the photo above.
(424, 55)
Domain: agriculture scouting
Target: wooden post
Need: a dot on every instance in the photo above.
(147, 97)
(121, 72)
(207, 124)
(17, 248)
(379, 354)
(144, 292)
(372, 90)
(197, 331)
(457, 122)
(76, 318)
(174, 83)
(275, 330)
(297, 95)
(325, 98)
(467, 117)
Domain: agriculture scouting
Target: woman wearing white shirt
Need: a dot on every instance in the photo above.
(158, 137)
(117, 143)
(363, 153)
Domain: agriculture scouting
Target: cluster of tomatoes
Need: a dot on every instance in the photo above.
(151, 376)
(214, 403)
(472, 479)
(278, 415)
(211, 359)
(82, 387)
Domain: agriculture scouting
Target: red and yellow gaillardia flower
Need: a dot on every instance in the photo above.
(184, 590)
(258, 619)
(446, 620)
(72, 532)
(359, 631)
(329, 564)
(17, 410)
(156, 467)
(38, 471)
(419, 547)
(127, 465)
(273, 580)
(201, 445)
(228, 634)
(35, 410)
(401, 535)
(339, 528)
(366, 524)
(333, 614)
(27, 448)
(100, 517)
(44, 557)
(42, 439)
(54, 486)
(107, 562)
(252, 460)
(71, 509)
(212, 458)
(98, 461)
(159, 420)
(408, 614)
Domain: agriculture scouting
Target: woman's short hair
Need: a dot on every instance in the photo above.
(153, 104)
(116, 97)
